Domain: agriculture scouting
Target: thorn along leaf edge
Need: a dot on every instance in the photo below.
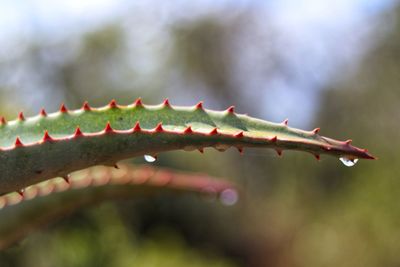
(50, 145)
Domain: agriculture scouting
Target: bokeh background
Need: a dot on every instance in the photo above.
(331, 64)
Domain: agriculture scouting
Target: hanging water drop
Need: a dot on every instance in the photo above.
(229, 197)
(149, 158)
(348, 162)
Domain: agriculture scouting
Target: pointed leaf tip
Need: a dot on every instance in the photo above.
(63, 108)
(369, 156)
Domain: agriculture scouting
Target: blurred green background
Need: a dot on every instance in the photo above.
(331, 65)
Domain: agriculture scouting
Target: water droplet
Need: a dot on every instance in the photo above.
(149, 158)
(348, 162)
(229, 197)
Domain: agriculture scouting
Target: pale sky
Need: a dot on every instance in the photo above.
(312, 31)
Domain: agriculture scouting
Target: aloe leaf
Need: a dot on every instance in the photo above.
(53, 145)
(48, 201)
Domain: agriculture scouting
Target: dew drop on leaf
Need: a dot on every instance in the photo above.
(348, 162)
(229, 197)
(149, 158)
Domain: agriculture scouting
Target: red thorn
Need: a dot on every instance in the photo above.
(239, 135)
(231, 109)
(285, 122)
(137, 127)
(201, 150)
(138, 102)
(46, 137)
(240, 149)
(108, 128)
(159, 128)
(43, 112)
(279, 152)
(21, 116)
(348, 142)
(18, 142)
(199, 105)
(188, 130)
(86, 106)
(274, 139)
(317, 157)
(3, 121)
(63, 108)
(112, 104)
(214, 131)
(316, 130)
(78, 132)
(166, 103)
(21, 193)
(66, 179)
(116, 166)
